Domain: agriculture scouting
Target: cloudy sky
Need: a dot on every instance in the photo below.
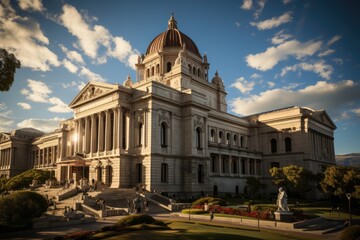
(270, 54)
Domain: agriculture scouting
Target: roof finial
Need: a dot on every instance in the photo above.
(172, 22)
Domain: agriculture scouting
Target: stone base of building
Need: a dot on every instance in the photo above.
(283, 216)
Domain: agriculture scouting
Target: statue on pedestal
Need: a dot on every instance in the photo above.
(281, 202)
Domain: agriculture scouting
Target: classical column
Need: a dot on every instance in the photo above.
(87, 135)
(101, 133)
(107, 130)
(92, 135)
(115, 129)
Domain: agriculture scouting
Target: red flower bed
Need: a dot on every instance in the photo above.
(232, 211)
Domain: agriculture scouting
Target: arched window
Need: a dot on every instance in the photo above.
(152, 71)
(288, 144)
(212, 135)
(194, 70)
(164, 172)
(200, 173)
(168, 67)
(140, 134)
(147, 72)
(242, 141)
(235, 140)
(163, 135)
(157, 68)
(273, 145)
(199, 72)
(228, 137)
(221, 136)
(189, 68)
(198, 138)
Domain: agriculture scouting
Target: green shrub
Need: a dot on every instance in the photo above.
(24, 179)
(210, 201)
(193, 211)
(21, 207)
(351, 233)
(139, 219)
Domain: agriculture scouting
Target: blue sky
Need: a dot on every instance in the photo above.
(270, 54)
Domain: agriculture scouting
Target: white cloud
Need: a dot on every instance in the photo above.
(287, 1)
(45, 125)
(247, 5)
(59, 106)
(72, 84)
(243, 85)
(25, 106)
(81, 85)
(333, 97)
(326, 53)
(70, 66)
(356, 111)
(268, 59)
(333, 40)
(39, 91)
(89, 39)
(90, 76)
(255, 75)
(271, 84)
(338, 61)
(273, 22)
(32, 5)
(6, 118)
(261, 5)
(237, 24)
(321, 68)
(72, 55)
(280, 37)
(24, 38)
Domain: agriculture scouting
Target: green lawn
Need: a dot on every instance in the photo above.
(188, 231)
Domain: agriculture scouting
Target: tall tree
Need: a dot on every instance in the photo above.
(339, 180)
(295, 179)
(8, 65)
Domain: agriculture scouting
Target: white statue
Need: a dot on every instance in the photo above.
(282, 200)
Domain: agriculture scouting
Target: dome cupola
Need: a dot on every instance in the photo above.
(171, 38)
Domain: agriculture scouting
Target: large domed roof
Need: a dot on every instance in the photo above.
(172, 37)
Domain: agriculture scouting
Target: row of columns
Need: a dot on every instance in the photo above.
(320, 142)
(104, 131)
(45, 156)
(233, 165)
(5, 158)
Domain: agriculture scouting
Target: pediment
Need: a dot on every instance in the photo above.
(323, 117)
(91, 91)
(4, 137)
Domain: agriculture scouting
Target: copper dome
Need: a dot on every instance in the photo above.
(172, 37)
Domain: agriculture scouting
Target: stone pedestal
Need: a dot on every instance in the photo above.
(283, 216)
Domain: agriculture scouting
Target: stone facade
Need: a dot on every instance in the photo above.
(170, 131)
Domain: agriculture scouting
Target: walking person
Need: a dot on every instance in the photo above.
(211, 215)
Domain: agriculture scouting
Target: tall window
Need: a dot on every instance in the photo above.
(225, 164)
(273, 145)
(200, 173)
(212, 135)
(198, 138)
(213, 163)
(243, 166)
(157, 68)
(194, 70)
(168, 67)
(199, 72)
(234, 167)
(139, 172)
(288, 144)
(189, 68)
(140, 134)
(164, 172)
(228, 138)
(235, 140)
(221, 136)
(147, 72)
(124, 123)
(152, 71)
(242, 141)
(163, 133)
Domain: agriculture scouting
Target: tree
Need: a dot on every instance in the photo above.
(295, 179)
(339, 180)
(8, 65)
(253, 186)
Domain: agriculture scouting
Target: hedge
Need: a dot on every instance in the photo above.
(21, 207)
(210, 201)
(24, 179)
(139, 219)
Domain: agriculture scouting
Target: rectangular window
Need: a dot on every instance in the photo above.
(164, 172)
(139, 172)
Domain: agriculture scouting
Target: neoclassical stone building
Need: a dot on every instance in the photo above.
(170, 130)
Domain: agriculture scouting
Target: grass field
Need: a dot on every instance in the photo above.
(189, 231)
